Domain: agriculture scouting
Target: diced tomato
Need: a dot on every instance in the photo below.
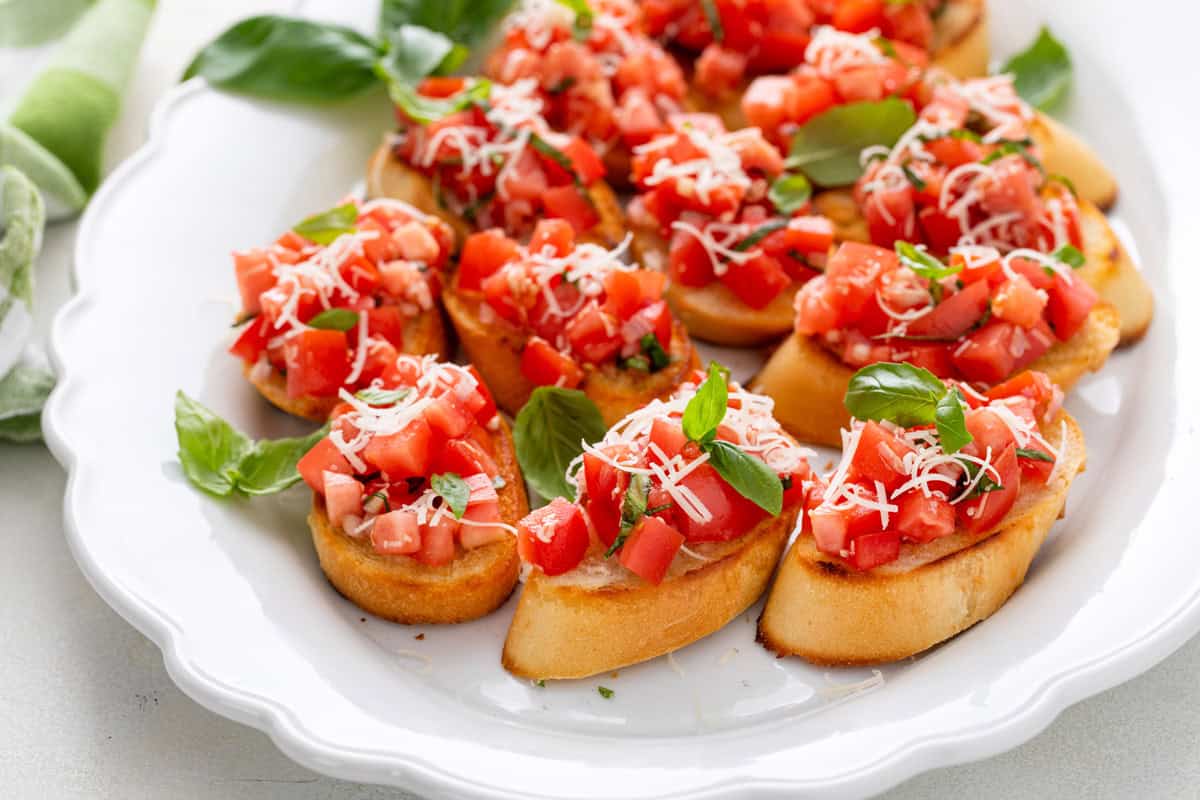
(809, 234)
(1016, 301)
(851, 275)
(554, 537)
(983, 513)
(543, 365)
(323, 457)
(483, 254)
(587, 165)
(770, 102)
(480, 401)
(482, 523)
(446, 415)
(719, 70)
(622, 293)
(437, 542)
(255, 275)
(874, 549)
(986, 356)
(570, 204)
(923, 519)
(829, 530)
(343, 496)
(858, 16)
(604, 490)
(650, 548)
(689, 261)
(654, 318)
(955, 151)
(465, 457)
(1069, 305)
(387, 322)
(437, 86)
(318, 363)
(593, 335)
(554, 234)
(758, 281)
(955, 315)
(936, 357)
(1036, 386)
(667, 436)
(890, 213)
(941, 231)
(983, 271)
(252, 341)
(878, 457)
(1035, 469)
(402, 454)
(815, 309)
(397, 533)
(732, 514)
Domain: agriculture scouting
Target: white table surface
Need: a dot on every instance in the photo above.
(87, 711)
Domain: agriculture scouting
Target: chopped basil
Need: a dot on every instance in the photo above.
(927, 266)
(1042, 72)
(986, 483)
(222, 461)
(554, 154)
(382, 495)
(334, 319)
(549, 433)
(1071, 256)
(582, 27)
(454, 490)
(1018, 147)
(1034, 455)
(563, 85)
(639, 363)
(789, 192)
(327, 226)
(761, 232)
(659, 359)
(540, 683)
(633, 508)
(827, 147)
(605, 692)
(714, 19)
(913, 178)
(376, 396)
(908, 396)
(424, 109)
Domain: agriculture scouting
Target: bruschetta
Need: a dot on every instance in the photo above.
(970, 172)
(567, 314)
(917, 535)
(668, 541)
(770, 37)
(331, 303)
(980, 318)
(599, 75)
(706, 213)
(488, 158)
(416, 493)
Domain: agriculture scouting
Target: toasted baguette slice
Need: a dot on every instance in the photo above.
(826, 613)
(390, 177)
(424, 334)
(960, 47)
(1065, 153)
(1109, 269)
(495, 350)
(401, 589)
(713, 313)
(598, 618)
(808, 384)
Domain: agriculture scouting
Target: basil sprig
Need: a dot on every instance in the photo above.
(334, 319)
(827, 147)
(327, 226)
(548, 434)
(749, 476)
(221, 460)
(908, 396)
(451, 487)
(1042, 72)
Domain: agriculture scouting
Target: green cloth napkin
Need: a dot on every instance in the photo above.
(84, 52)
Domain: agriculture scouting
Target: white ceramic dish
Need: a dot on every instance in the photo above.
(233, 595)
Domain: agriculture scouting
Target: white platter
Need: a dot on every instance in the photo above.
(232, 593)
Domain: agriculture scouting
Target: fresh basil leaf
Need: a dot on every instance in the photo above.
(827, 147)
(706, 410)
(23, 392)
(655, 352)
(583, 17)
(714, 19)
(899, 393)
(1034, 455)
(749, 476)
(639, 363)
(327, 226)
(374, 396)
(1071, 256)
(760, 233)
(467, 22)
(334, 319)
(1042, 72)
(548, 434)
(917, 182)
(270, 465)
(413, 53)
(633, 508)
(454, 490)
(790, 192)
(424, 110)
(285, 58)
(951, 422)
(921, 262)
(210, 449)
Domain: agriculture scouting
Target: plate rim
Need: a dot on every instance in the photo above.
(413, 772)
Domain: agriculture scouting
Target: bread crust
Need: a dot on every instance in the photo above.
(401, 589)
(566, 629)
(808, 384)
(390, 177)
(828, 614)
(424, 334)
(495, 350)
(960, 47)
